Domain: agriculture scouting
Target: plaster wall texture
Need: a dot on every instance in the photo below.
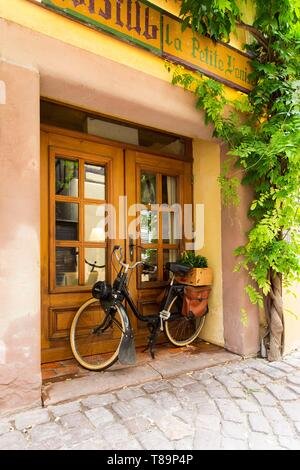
(241, 330)
(206, 169)
(20, 378)
(224, 230)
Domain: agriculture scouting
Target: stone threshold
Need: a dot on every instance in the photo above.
(168, 363)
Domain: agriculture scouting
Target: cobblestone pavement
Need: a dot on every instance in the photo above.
(249, 404)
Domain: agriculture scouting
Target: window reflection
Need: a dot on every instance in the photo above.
(149, 226)
(148, 188)
(66, 177)
(66, 221)
(94, 256)
(169, 256)
(63, 116)
(171, 229)
(169, 189)
(149, 256)
(94, 217)
(66, 266)
(94, 181)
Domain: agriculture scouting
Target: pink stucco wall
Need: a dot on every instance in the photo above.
(20, 379)
(241, 336)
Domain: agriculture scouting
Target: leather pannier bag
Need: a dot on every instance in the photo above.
(195, 301)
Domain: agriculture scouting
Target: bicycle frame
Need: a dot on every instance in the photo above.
(120, 293)
(123, 290)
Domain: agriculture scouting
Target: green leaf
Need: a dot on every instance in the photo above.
(244, 317)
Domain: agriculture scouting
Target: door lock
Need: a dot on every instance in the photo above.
(131, 248)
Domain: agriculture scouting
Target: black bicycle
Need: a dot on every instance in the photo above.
(106, 310)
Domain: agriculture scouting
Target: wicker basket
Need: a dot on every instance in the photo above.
(197, 277)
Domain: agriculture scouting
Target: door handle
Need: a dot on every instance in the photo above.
(131, 248)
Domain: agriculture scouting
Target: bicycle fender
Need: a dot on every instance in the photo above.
(127, 353)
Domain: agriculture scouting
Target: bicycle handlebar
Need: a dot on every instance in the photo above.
(118, 248)
(94, 265)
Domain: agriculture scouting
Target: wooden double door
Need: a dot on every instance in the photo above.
(95, 195)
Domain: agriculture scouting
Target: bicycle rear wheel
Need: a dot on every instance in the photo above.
(179, 329)
(90, 330)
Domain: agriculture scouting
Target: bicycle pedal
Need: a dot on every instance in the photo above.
(96, 331)
(164, 314)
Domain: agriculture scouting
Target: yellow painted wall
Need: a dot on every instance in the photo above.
(173, 6)
(206, 170)
(292, 318)
(44, 21)
(34, 17)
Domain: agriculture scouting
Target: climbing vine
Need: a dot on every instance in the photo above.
(262, 134)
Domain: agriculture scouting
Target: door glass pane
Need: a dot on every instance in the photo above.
(66, 177)
(62, 116)
(94, 256)
(66, 221)
(66, 266)
(148, 188)
(169, 189)
(169, 256)
(94, 216)
(94, 181)
(149, 226)
(149, 255)
(170, 227)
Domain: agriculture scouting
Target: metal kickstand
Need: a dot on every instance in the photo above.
(154, 330)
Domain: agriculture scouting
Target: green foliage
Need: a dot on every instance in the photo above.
(244, 317)
(254, 296)
(189, 258)
(261, 130)
(229, 184)
(214, 17)
(67, 171)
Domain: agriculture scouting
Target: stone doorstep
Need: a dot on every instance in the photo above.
(122, 377)
(68, 369)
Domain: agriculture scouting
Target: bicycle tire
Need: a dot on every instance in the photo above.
(84, 342)
(181, 330)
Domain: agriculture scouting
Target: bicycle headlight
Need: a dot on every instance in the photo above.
(102, 290)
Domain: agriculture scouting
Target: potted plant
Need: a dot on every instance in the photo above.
(200, 274)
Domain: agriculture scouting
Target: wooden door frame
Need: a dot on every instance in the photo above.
(134, 162)
(77, 141)
(72, 145)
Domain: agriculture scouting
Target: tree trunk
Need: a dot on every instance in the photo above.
(275, 319)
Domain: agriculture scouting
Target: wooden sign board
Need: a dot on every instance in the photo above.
(141, 23)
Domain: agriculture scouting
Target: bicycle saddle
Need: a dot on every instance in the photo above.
(177, 268)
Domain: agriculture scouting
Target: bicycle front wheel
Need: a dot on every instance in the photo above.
(96, 336)
(179, 329)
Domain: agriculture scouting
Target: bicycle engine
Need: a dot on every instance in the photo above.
(102, 290)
